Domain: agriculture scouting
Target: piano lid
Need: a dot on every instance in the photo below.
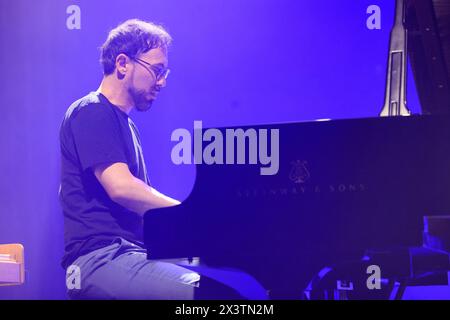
(428, 25)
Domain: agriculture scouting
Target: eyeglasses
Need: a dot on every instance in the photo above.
(158, 72)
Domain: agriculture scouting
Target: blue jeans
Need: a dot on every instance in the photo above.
(122, 271)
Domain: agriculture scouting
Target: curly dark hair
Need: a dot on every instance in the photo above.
(132, 38)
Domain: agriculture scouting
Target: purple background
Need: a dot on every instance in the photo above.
(233, 62)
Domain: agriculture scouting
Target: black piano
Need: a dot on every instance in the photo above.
(343, 186)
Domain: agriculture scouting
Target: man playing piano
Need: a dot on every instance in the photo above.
(105, 189)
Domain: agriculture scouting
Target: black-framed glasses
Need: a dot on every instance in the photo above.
(158, 72)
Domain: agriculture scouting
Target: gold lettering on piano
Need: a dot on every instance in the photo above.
(262, 192)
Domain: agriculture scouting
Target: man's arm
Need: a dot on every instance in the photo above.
(128, 191)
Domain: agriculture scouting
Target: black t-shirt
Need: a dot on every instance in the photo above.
(94, 132)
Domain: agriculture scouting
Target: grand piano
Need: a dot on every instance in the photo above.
(344, 187)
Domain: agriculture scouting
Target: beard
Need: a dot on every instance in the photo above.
(140, 100)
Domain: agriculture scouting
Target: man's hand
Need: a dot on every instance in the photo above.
(128, 191)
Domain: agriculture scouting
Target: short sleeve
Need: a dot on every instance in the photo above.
(97, 136)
